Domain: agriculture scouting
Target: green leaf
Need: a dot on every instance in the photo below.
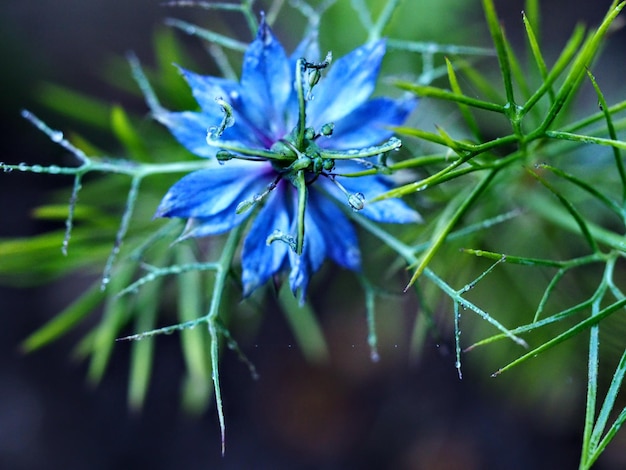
(75, 105)
(126, 134)
(142, 352)
(465, 111)
(573, 331)
(612, 134)
(582, 224)
(447, 224)
(581, 63)
(197, 385)
(115, 316)
(434, 92)
(502, 49)
(65, 320)
(35, 260)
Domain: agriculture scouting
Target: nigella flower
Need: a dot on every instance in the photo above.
(283, 147)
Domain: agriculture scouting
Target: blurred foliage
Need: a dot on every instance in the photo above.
(525, 211)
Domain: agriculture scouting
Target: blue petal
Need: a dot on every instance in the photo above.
(218, 223)
(312, 257)
(309, 50)
(260, 261)
(266, 84)
(206, 89)
(339, 235)
(347, 85)
(392, 211)
(205, 193)
(368, 124)
(190, 129)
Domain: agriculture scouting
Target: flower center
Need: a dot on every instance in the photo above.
(296, 157)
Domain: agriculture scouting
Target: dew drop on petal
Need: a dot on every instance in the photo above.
(212, 133)
(243, 206)
(356, 201)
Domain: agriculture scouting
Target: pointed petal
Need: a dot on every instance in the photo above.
(190, 129)
(259, 260)
(340, 237)
(218, 223)
(266, 83)
(369, 124)
(349, 82)
(206, 89)
(205, 193)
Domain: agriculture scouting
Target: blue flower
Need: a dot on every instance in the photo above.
(280, 149)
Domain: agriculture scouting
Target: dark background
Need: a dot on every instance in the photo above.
(349, 413)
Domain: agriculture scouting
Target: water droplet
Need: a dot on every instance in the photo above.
(327, 129)
(243, 206)
(212, 133)
(36, 168)
(356, 201)
(54, 169)
(56, 136)
(375, 356)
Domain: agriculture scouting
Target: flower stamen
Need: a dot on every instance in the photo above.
(247, 204)
(302, 65)
(355, 200)
(228, 120)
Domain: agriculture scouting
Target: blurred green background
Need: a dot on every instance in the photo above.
(403, 412)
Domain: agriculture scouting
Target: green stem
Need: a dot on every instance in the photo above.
(301, 125)
(302, 195)
(440, 237)
(228, 253)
